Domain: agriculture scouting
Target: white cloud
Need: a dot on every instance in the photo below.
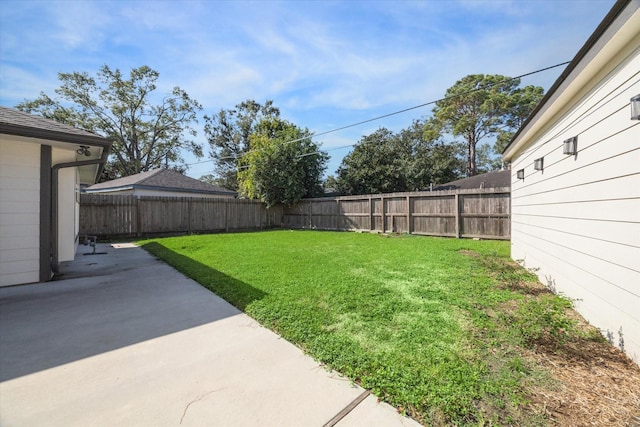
(19, 84)
(323, 63)
(77, 24)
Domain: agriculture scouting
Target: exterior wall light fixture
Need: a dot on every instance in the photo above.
(570, 146)
(83, 150)
(538, 164)
(635, 108)
(520, 174)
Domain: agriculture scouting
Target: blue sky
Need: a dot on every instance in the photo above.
(325, 64)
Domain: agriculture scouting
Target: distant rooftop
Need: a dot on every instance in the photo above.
(163, 179)
(495, 179)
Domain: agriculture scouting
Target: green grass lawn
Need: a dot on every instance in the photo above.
(432, 326)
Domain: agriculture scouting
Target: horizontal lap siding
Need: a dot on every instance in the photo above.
(577, 222)
(19, 213)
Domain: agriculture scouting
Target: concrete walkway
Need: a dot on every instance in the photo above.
(125, 340)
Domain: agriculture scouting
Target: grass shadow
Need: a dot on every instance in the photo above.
(234, 291)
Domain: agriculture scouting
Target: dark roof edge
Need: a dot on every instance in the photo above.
(617, 8)
(154, 187)
(29, 132)
(106, 151)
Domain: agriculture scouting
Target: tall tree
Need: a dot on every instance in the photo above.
(385, 162)
(481, 106)
(145, 134)
(331, 185)
(432, 161)
(283, 164)
(377, 164)
(228, 133)
(523, 102)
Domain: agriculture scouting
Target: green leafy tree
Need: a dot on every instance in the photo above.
(385, 162)
(487, 160)
(375, 165)
(431, 160)
(211, 179)
(145, 134)
(479, 107)
(283, 164)
(331, 186)
(228, 133)
(523, 102)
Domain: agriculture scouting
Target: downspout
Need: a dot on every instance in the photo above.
(55, 267)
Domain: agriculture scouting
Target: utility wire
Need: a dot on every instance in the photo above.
(437, 100)
(312, 135)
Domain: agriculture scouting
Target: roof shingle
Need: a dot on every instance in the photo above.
(16, 122)
(161, 178)
(495, 179)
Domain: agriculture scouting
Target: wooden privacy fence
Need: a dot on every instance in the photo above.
(129, 215)
(454, 213)
(457, 213)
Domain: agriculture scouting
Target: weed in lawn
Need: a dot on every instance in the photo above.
(544, 320)
(441, 328)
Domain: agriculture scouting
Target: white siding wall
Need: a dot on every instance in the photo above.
(577, 222)
(19, 212)
(68, 217)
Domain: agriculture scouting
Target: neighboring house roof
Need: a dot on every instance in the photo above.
(578, 64)
(16, 122)
(159, 179)
(495, 179)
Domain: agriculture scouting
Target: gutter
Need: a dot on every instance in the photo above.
(55, 266)
(62, 135)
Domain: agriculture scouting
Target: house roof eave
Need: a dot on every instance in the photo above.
(569, 73)
(52, 135)
(156, 188)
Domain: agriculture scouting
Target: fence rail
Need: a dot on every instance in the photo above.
(456, 213)
(129, 215)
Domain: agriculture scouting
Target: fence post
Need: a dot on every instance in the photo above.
(137, 216)
(138, 230)
(384, 216)
(226, 215)
(189, 215)
(408, 214)
(457, 213)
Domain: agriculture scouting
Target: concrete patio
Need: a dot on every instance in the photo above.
(124, 339)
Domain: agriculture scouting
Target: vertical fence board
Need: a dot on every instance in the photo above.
(457, 213)
(134, 216)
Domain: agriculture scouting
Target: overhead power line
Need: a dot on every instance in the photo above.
(384, 116)
(437, 100)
